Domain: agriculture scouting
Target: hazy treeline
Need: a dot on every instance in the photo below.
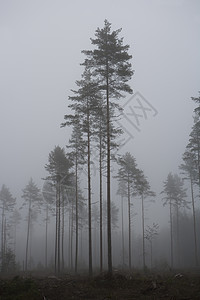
(39, 259)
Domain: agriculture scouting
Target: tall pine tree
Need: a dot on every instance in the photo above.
(110, 65)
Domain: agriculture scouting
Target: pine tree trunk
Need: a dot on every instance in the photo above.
(69, 240)
(122, 207)
(30, 244)
(81, 241)
(59, 228)
(198, 157)
(72, 225)
(62, 232)
(101, 202)
(171, 235)
(129, 224)
(2, 239)
(104, 244)
(15, 238)
(89, 203)
(177, 229)
(56, 234)
(151, 246)
(194, 223)
(143, 241)
(46, 233)
(5, 246)
(109, 233)
(77, 217)
(27, 238)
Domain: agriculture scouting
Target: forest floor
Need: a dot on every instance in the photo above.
(180, 286)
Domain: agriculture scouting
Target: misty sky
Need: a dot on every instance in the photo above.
(40, 56)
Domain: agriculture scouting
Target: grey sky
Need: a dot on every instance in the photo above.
(40, 53)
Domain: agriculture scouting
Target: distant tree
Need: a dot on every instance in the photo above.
(121, 191)
(59, 173)
(110, 66)
(83, 224)
(64, 208)
(175, 197)
(127, 174)
(34, 218)
(150, 233)
(16, 218)
(169, 190)
(49, 197)
(190, 173)
(180, 201)
(144, 190)
(7, 204)
(71, 195)
(32, 199)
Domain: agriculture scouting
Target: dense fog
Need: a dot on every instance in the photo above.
(87, 136)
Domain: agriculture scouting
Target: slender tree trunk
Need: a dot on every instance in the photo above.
(171, 235)
(143, 240)
(46, 235)
(63, 231)
(89, 201)
(59, 219)
(30, 244)
(2, 239)
(81, 238)
(27, 237)
(56, 233)
(109, 232)
(5, 243)
(77, 217)
(122, 208)
(177, 229)
(194, 223)
(69, 239)
(101, 201)
(151, 248)
(72, 225)
(4, 265)
(104, 244)
(94, 239)
(198, 157)
(129, 223)
(15, 238)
